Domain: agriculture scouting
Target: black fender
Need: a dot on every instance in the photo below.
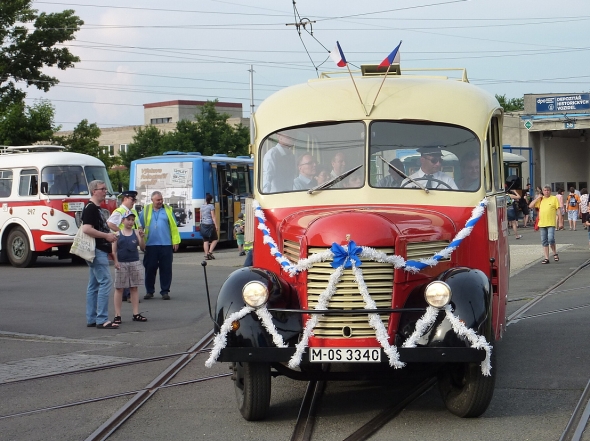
(251, 333)
(471, 301)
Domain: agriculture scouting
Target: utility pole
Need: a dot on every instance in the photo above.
(251, 107)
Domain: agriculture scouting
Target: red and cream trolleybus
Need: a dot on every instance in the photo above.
(43, 190)
(380, 238)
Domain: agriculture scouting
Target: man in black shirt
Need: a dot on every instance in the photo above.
(100, 282)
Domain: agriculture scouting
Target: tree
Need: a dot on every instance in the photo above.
(24, 125)
(512, 104)
(84, 139)
(28, 41)
(209, 134)
(146, 142)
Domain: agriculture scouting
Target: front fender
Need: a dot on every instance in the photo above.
(471, 302)
(251, 333)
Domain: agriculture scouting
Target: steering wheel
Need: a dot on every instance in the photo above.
(423, 178)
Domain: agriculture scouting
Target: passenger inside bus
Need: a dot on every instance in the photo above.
(278, 164)
(470, 172)
(306, 165)
(393, 179)
(430, 174)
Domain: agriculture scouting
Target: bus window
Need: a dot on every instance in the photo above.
(98, 173)
(65, 179)
(495, 148)
(290, 158)
(5, 183)
(446, 156)
(29, 185)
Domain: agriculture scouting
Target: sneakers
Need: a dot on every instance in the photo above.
(149, 295)
(165, 297)
(243, 253)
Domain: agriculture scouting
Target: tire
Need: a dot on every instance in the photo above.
(252, 386)
(465, 391)
(18, 249)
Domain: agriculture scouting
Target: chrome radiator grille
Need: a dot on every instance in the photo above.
(379, 280)
(425, 250)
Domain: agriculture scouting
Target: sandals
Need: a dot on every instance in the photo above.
(519, 236)
(107, 325)
(556, 257)
(211, 256)
(544, 261)
(117, 320)
(139, 318)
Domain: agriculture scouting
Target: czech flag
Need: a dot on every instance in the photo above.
(393, 57)
(338, 56)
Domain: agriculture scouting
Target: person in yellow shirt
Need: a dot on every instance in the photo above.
(548, 206)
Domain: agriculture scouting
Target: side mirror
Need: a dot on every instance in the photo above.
(44, 187)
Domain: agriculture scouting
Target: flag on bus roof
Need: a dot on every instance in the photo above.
(393, 57)
(338, 56)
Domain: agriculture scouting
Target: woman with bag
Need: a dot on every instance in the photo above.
(100, 282)
(209, 227)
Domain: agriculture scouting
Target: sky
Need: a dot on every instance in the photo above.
(135, 52)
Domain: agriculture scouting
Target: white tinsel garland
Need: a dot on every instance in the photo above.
(477, 341)
(422, 325)
(220, 340)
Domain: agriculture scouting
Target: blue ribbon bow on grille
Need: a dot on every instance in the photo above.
(346, 257)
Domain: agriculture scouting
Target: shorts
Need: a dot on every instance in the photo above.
(131, 275)
(240, 239)
(511, 213)
(525, 209)
(572, 215)
(209, 232)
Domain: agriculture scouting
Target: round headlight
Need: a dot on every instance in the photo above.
(438, 294)
(255, 294)
(63, 225)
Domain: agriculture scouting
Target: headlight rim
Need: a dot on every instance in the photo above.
(433, 285)
(265, 292)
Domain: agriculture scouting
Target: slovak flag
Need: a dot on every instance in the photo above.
(393, 57)
(338, 56)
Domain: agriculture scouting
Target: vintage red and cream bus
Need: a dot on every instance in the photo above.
(43, 190)
(380, 238)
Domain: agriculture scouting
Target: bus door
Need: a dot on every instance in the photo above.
(497, 225)
(223, 203)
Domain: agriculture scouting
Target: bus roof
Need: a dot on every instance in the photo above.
(402, 97)
(512, 157)
(44, 159)
(179, 157)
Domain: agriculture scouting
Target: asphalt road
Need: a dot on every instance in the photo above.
(542, 362)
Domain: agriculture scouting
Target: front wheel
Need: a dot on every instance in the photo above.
(252, 386)
(19, 250)
(465, 391)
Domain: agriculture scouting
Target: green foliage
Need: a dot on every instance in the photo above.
(512, 104)
(119, 178)
(209, 134)
(28, 39)
(84, 139)
(24, 125)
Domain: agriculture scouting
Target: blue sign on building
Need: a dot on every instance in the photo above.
(565, 103)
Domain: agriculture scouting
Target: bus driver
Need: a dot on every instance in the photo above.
(430, 174)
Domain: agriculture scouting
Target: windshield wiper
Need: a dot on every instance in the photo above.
(401, 173)
(334, 181)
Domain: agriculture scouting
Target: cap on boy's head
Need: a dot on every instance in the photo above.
(241, 216)
(128, 213)
(129, 194)
(430, 150)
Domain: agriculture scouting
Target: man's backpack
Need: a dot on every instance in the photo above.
(573, 203)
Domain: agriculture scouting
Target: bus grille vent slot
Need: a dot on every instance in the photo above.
(291, 250)
(425, 250)
(379, 280)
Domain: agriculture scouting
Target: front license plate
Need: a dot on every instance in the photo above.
(345, 355)
(73, 206)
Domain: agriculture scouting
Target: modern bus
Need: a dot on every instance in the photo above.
(43, 190)
(185, 179)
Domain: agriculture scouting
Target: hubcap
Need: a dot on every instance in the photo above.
(18, 247)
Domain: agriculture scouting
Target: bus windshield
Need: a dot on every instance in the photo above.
(300, 159)
(94, 173)
(65, 180)
(437, 156)
(401, 155)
